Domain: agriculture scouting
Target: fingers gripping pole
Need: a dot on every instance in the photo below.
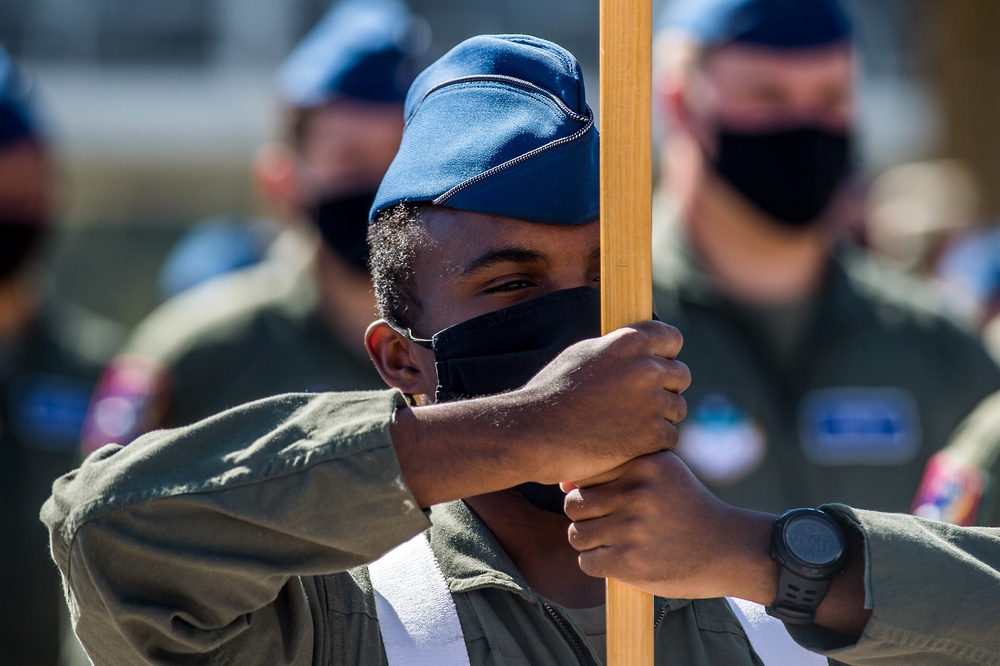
(626, 239)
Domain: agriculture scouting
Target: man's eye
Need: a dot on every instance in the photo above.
(510, 285)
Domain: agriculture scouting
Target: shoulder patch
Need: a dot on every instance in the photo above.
(950, 490)
(859, 426)
(719, 440)
(131, 398)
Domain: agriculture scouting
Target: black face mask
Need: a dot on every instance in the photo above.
(343, 223)
(791, 175)
(19, 240)
(501, 351)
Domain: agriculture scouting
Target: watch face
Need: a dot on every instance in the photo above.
(813, 541)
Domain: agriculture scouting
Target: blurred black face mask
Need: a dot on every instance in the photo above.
(343, 223)
(19, 239)
(500, 351)
(791, 175)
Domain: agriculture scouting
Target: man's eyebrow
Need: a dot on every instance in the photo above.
(595, 254)
(503, 256)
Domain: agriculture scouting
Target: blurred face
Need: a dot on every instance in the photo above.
(754, 89)
(25, 183)
(345, 150)
(26, 199)
(775, 127)
(347, 147)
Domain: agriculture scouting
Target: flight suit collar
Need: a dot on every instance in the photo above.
(678, 268)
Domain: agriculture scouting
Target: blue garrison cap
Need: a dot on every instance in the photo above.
(17, 119)
(499, 125)
(361, 49)
(780, 24)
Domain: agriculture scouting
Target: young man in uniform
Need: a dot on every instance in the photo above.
(290, 324)
(819, 370)
(244, 538)
(51, 353)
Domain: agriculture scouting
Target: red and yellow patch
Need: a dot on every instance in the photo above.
(131, 399)
(950, 490)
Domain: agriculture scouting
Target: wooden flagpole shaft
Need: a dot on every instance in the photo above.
(626, 240)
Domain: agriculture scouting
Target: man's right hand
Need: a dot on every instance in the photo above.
(599, 404)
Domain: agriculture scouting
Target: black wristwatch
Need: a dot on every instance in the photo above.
(810, 547)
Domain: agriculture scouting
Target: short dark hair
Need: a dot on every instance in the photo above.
(395, 237)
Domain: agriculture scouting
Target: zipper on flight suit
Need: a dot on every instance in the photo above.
(567, 633)
(659, 617)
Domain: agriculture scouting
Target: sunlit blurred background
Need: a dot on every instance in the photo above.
(158, 105)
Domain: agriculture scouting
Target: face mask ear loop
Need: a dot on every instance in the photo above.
(407, 333)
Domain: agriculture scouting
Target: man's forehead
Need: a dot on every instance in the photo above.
(761, 62)
(464, 236)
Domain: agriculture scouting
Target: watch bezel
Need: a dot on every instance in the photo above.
(785, 555)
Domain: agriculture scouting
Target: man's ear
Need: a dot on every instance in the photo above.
(274, 176)
(403, 364)
(672, 97)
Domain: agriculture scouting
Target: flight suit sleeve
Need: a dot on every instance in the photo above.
(961, 484)
(196, 545)
(932, 588)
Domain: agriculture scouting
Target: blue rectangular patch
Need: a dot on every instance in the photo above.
(859, 426)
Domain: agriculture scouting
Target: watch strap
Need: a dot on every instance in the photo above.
(798, 597)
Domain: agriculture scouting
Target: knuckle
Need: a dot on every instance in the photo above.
(593, 564)
(676, 408)
(681, 375)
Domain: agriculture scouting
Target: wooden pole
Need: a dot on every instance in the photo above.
(626, 240)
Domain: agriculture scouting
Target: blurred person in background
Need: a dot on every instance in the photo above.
(296, 321)
(916, 215)
(51, 354)
(821, 373)
(972, 264)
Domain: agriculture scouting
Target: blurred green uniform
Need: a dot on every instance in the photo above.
(262, 562)
(843, 398)
(46, 378)
(248, 335)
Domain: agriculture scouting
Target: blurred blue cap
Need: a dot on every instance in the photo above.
(367, 50)
(212, 247)
(781, 24)
(499, 125)
(17, 117)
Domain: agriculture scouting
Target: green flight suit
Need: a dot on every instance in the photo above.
(248, 335)
(242, 540)
(46, 377)
(875, 386)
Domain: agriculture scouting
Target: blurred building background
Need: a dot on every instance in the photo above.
(159, 104)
